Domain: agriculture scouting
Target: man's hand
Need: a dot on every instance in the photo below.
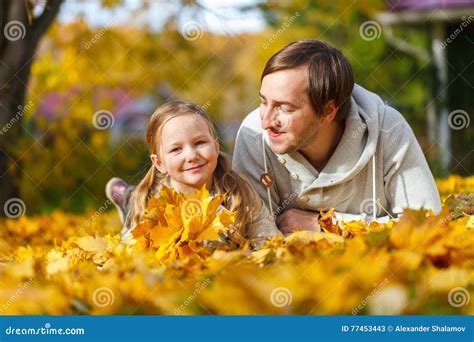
(294, 220)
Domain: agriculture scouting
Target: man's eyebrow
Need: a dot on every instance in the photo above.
(280, 102)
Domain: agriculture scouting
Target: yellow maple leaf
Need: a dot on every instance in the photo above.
(91, 244)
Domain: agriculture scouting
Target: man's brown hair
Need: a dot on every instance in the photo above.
(330, 74)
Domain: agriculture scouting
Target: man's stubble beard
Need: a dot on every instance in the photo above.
(299, 142)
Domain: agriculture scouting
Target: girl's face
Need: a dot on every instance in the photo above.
(187, 153)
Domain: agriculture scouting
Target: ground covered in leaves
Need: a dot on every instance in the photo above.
(183, 260)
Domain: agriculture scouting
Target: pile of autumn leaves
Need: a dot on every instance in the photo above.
(184, 258)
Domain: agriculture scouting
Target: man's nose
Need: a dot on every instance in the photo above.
(267, 116)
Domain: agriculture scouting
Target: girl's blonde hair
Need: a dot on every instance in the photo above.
(240, 196)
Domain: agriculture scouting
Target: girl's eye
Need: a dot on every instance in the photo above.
(176, 149)
(200, 142)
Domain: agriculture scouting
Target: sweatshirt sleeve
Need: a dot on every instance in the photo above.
(262, 227)
(408, 182)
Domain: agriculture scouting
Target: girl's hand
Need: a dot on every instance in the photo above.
(294, 220)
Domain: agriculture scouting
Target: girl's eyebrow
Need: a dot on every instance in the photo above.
(178, 143)
(172, 144)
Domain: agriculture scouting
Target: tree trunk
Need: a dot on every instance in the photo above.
(21, 34)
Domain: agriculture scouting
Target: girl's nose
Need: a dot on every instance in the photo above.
(191, 154)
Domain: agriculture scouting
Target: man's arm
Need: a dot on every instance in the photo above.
(407, 177)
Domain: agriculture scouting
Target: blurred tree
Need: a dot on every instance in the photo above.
(22, 30)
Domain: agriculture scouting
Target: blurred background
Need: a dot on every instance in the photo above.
(79, 79)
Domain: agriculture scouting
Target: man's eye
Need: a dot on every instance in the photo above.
(284, 109)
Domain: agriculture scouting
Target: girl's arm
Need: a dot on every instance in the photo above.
(262, 227)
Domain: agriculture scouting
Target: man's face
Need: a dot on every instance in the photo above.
(285, 111)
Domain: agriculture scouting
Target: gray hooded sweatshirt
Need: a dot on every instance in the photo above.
(377, 164)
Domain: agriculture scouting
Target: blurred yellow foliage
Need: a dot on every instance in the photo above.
(66, 264)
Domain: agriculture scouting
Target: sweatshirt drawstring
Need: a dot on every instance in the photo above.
(266, 171)
(374, 205)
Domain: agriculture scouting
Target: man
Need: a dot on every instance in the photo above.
(318, 142)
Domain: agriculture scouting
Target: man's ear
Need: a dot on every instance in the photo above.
(329, 113)
(157, 163)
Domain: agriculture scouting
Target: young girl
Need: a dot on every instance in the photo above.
(184, 151)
